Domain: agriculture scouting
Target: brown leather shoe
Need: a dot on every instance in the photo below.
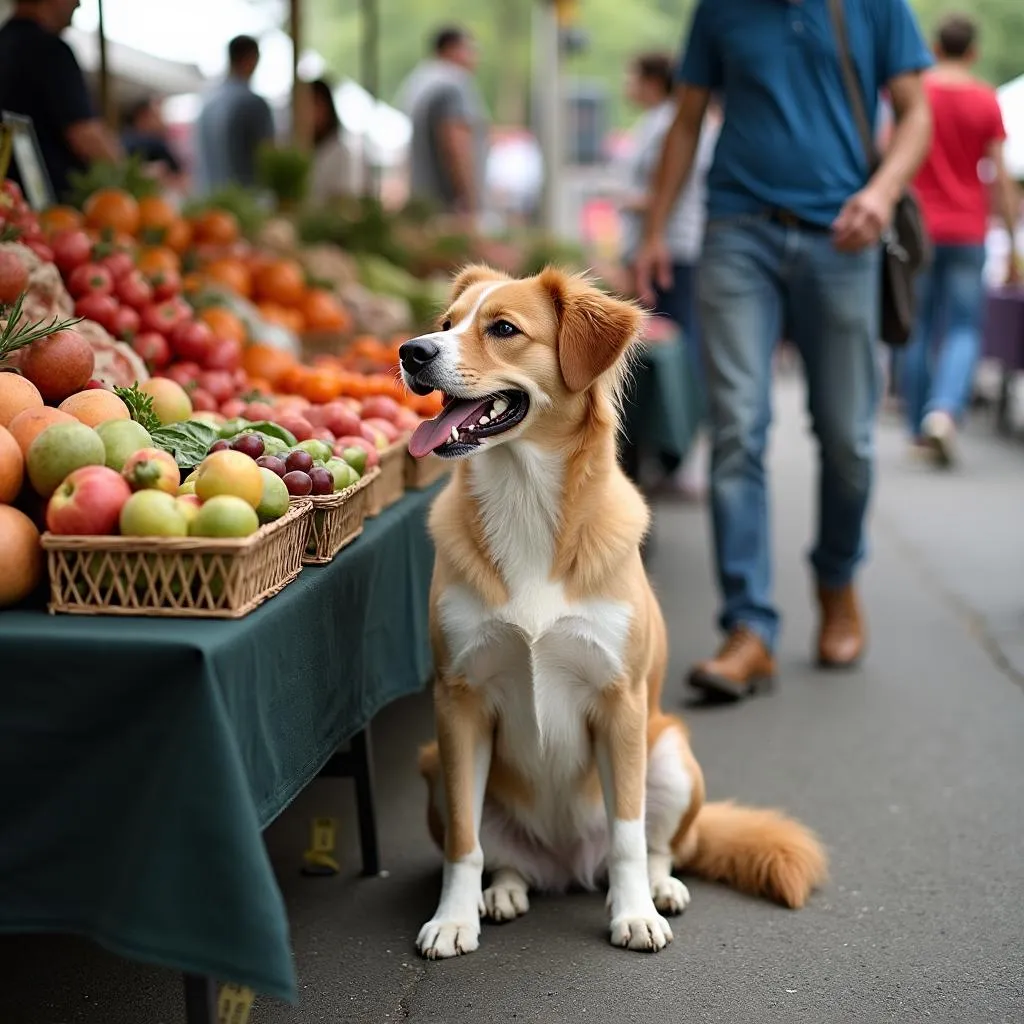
(742, 666)
(841, 636)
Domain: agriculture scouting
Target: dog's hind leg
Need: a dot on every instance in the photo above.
(506, 898)
(675, 792)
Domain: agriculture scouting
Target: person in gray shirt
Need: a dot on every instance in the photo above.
(234, 123)
(449, 126)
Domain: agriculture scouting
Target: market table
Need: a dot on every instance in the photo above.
(1003, 340)
(140, 759)
(662, 401)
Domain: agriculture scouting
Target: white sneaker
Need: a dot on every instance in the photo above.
(939, 431)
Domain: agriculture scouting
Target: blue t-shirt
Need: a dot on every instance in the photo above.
(789, 140)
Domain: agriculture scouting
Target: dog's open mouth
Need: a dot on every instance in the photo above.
(464, 423)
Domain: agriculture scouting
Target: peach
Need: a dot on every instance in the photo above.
(94, 407)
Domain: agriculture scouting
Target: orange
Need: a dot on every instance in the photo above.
(22, 564)
(158, 260)
(292, 381)
(94, 407)
(28, 425)
(280, 281)
(231, 274)
(12, 467)
(156, 215)
(216, 227)
(224, 323)
(60, 218)
(321, 386)
(267, 362)
(323, 312)
(178, 235)
(17, 394)
(111, 209)
(261, 385)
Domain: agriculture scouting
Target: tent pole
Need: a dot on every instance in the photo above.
(107, 105)
(301, 130)
(370, 74)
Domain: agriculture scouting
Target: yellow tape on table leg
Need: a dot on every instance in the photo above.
(319, 859)
(234, 1004)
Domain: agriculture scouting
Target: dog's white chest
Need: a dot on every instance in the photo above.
(540, 659)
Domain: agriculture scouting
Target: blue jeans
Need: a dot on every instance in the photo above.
(756, 274)
(936, 369)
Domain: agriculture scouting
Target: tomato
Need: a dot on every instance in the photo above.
(184, 373)
(71, 249)
(134, 290)
(153, 350)
(41, 249)
(224, 354)
(13, 277)
(163, 317)
(119, 263)
(202, 400)
(192, 340)
(90, 279)
(219, 384)
(100, 308)
(166, 285)
(216, 227)
(127, 323)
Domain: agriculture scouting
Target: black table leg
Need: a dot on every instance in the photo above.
(356, 764)
(200, 999)
(1004, 420)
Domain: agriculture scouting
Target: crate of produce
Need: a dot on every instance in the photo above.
(188, 577)
(390, 483)
(337, 520)
(420, 473)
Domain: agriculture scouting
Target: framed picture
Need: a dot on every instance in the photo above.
(24, 145)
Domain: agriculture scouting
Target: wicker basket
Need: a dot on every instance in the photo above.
(390, 485)
(187, 577)
(337, 520)
(420, 473)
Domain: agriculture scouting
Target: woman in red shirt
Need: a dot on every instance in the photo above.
(937, 369)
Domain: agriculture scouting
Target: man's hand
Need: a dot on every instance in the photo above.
(863, 219)
(653, 267)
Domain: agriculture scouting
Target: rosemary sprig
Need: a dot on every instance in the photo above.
(15, 334)
(140, 406)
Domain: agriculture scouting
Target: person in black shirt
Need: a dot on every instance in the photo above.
(41, 79)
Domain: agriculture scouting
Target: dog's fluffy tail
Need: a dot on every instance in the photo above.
(760, 852)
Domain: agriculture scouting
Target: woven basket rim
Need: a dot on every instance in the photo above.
(338, 498)
(173, 545)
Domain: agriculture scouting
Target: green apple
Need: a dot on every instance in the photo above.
(274, 503)
(225, 516)
(344, 475)
(153, 513)
(121, 440)
(356, 458)
(59, 450)
(319, 451)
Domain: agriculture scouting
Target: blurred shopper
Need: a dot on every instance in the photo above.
(336, 170)
(937, 369)
(234, 123)
(145, 136)
(795, 217)
(449, 126)
(649, 86)
(40, 78)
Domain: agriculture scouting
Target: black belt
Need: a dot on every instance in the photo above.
(791, 220)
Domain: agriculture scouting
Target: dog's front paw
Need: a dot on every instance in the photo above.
(670, 895)
(648, 933)
(506, 899)
(439, 940)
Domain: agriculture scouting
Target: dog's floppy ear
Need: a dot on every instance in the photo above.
(476, 273)
(594, 330)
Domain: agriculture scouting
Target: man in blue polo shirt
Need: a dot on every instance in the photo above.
(795, 215)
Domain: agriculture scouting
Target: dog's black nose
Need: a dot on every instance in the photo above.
(417, 354)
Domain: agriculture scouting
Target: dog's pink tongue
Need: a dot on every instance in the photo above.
(431, 434)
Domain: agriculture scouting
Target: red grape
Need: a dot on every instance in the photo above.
(323, 480)
(273, 463)
(299, 460)
(298, 483)
(219, 446)
(249, 444)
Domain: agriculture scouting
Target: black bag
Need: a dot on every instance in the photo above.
(906, 247)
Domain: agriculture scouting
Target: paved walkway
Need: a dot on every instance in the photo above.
(910, 768)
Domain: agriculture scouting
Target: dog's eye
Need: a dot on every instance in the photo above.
(446, 326)
(503, 329)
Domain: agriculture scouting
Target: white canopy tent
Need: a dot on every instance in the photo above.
(1011, 100)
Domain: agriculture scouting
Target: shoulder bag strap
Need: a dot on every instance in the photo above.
(851, 80)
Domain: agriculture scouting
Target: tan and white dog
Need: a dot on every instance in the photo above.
(555, 766)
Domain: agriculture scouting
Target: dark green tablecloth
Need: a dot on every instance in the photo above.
(663, 401)
(140, 758)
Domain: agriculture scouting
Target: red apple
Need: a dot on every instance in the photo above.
(184, 373)
(202, 400)
(381, 407)
(341, 419)
(374, 436)
(224, 354)
(232, 409)
(219, 384)
(323, 434)
(152, 349)
(352, 441)
(407, 420)
(88, 503)
(386, 427)
(317, 415)
(152, 469)
(192, 340)
(298, 425)
(257, 411)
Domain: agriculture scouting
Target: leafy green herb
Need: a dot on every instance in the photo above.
(15, 334)
(188, 442)
(140, 406)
